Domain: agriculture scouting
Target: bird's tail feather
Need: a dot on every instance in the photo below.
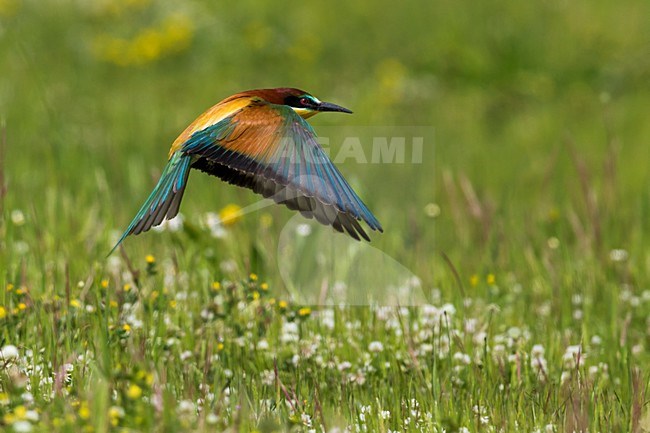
(165, 199)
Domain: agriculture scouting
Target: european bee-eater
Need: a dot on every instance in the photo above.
(259, 139)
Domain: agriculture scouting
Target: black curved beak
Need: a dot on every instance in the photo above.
(326, 106)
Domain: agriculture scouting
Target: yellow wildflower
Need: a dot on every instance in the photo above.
(264, 286)
(253, 277)
(3, 312)
(20, 412)
(216, 286)
(112, 304)
(115, 413)
(473, 280)
(230, 214)
(84, 411)
(10, 287)
(134, 391)
(8, 7)
(172, 303)
(491, 279)
(127, 287)
(256, 295)
(147, 46)
(154, 294)
(75, 303)
(282, 304)
(126, 327)
(220, 346)
(176, 33)
(304, 311)
(104, 283)
(22, 306)
(21, 290)
(150, 259)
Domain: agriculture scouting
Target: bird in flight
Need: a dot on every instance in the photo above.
(259, 139)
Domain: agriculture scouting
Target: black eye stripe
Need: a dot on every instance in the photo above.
(299, 102)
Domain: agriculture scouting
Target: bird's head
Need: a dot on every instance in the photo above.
(300, 101)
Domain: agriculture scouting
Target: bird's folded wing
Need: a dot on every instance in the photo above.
(273, 151)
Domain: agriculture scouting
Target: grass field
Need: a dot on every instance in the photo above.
(510, 291)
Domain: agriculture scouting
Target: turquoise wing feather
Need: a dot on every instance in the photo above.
(165, 199)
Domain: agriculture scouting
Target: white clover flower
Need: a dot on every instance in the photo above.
(576, 299)
(173, 225)
(448, 309)
(17, 217)
(305, 419)
(27, 397)
(384, 313)
(550, 428)
(514, 332)
(384, 414)
(268, 377)
(376, 347)
(290, 327)
(470, 325)
(565, 376)
(303, 230)
(32, 415)
(9, 352)
(618, 255)
(21, 247)
(463, 430)
(214, 224)
(22, 426)
(211, 419)
(480, 338)
(262, 345)
(498, 351)
(186, 355)
(573, 356)
(430, 312)
(327, 318)
(289, 332)
(207, 314)
(596, 340)
(186, 406)
(345, 365)
(537, 351)
(539, 366)
(228, 266)
(462, 358)
(577, 315)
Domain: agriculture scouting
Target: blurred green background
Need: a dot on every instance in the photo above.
(93, 93)
(528, 215)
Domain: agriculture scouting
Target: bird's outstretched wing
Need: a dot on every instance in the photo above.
(273, 151)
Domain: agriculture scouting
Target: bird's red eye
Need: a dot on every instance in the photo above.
(304, 101)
